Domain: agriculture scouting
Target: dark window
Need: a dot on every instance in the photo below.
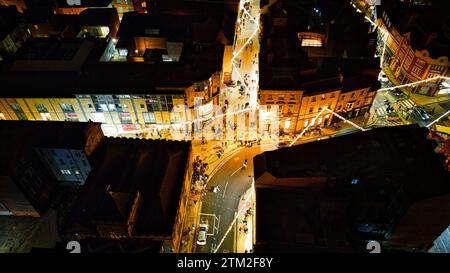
(41, 108)
(67, 108)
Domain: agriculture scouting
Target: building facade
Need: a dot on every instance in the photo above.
(406, 65)
(297, 108)
(13, 31)
(146, 95)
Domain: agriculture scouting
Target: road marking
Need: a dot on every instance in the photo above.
(225, 190)
(236, 171)
(218, 225)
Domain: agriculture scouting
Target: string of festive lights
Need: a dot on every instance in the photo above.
(313, 121)
(346, 120)
(436, 120)
(235, 54)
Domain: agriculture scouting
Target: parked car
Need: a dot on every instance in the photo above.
(202, 234)
(382, 77)
(398, 92)
(420, 113)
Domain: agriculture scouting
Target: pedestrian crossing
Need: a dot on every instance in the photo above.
(407, 104)
(404, 104)
(382, 111)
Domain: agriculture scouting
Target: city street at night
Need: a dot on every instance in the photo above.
(224, 126)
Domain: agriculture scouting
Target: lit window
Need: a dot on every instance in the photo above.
(98, 117)
(149, 117)
(349, 106)
(312, 42)
(123, 52)
(323, 97)
(287, 124)
(305, 123)
(319, 121)
(65, 172)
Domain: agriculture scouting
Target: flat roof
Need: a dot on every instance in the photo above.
(421, 21)
(9, 19)
(123, 166)
(42, 78)
(286, 65)
(337, 186)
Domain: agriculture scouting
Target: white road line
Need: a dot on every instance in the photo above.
(225, 190)
(382, 111)
(218, 225)
(410, 103)
(236, 171)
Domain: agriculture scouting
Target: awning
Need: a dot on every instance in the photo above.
(443, 129)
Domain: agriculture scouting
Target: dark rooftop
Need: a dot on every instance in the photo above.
(18, 136)
(93, 76)
(121, 168)
(285, 64)
(98, 16)
(422, 21)
(345, 190)
(175, 28)
(18, 140)
(9, 19)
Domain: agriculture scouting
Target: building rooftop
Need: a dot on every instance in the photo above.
(15, 138)
(287, 63)
(175, 28)
(429, 25)
(18, 140)
(98, 16)
(62, 68)
(345, 190)
(84, 3)
(121, 168)
(9, 19)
